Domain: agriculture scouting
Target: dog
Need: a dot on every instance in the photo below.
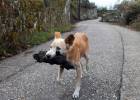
(57, 42)
(74, 47)
(77, 46)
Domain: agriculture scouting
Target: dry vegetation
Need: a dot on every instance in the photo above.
(28, 22)
(130, 11)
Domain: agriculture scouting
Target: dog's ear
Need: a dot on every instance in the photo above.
(69, 40)
(57, 35)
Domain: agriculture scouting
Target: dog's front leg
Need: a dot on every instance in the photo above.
(60, 72)
(78, 80)
(87, 62)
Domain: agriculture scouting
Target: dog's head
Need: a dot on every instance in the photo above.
(55, 51)
(69, 41)
(57, 46)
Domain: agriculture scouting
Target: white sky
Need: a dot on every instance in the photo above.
(105, 3)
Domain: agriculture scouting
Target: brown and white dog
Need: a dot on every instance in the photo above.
(77, 46)
(74, 46)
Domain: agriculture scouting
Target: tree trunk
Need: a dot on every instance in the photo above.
(79, 10)
(67, 9)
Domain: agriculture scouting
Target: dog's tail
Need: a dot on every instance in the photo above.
(57, 35)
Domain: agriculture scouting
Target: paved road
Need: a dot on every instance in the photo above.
(114, 69)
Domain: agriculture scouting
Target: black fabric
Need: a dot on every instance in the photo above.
(59, 59)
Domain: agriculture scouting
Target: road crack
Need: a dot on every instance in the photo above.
(122, 68)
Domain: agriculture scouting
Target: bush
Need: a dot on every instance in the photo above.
(136, 24)
(130, 10)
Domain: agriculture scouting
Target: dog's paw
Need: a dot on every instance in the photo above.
(82, 75)
(59, 79)
(75, 95)
(60, 82)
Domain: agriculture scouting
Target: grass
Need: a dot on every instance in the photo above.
(38, 38)
(41, 37)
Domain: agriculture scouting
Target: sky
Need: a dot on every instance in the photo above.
(105, 3)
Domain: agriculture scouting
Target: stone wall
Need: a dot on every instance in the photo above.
(88, 11)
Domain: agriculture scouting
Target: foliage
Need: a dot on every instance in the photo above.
(18, 19)
(27, 22)
(130, 10)
(74, 10)
(136, 24)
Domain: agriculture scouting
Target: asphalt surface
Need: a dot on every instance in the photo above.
(114, 69)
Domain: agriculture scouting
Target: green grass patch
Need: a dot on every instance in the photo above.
(41, 37)
(61, 29)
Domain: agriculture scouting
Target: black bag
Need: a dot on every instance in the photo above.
(58, 59)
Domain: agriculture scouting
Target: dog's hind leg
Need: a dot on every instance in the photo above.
(60, 72)
(87, 61)
(78, 81)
